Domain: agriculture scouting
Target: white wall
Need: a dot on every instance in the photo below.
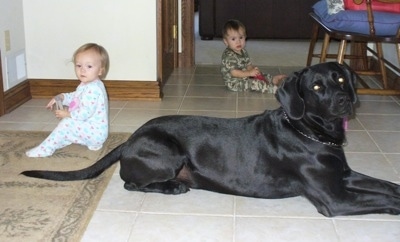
(126, 28)
(11, 20)
(50, 31)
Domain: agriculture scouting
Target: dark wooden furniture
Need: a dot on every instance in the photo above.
(264, 19)
(359, 44)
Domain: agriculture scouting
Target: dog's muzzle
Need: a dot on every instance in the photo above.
(343, 105)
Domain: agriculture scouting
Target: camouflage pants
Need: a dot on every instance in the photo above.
(251, 84)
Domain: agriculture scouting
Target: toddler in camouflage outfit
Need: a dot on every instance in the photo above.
(237, 70)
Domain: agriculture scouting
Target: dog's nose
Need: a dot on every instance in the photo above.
(343, 99)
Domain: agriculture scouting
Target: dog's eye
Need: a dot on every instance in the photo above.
(317, 87)
(341, 82)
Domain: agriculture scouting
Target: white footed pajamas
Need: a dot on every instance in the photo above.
(88, 124)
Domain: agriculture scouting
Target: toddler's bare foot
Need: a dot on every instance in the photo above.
(276, 80)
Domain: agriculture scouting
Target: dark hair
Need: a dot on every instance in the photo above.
(232, 24)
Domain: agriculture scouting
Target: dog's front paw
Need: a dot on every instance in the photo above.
(169, 187)
(175, 187)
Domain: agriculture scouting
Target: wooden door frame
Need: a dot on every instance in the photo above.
(186, 57)
(165, 31)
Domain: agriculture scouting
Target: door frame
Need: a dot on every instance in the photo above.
(186, 56)
(167, 42)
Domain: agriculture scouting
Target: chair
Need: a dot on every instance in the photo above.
(360, 40)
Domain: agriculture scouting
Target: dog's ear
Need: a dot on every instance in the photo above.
(289, 97)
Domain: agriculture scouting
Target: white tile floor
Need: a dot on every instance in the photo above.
(374, 149)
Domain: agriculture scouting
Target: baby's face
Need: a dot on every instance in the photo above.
(88, 66)
(235, 40)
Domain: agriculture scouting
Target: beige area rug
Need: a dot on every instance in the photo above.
(41, 210)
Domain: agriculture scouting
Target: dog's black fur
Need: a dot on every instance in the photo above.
(294, 150)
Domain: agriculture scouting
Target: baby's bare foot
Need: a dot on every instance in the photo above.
(276, 80)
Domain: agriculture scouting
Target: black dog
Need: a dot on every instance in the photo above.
(295, 150)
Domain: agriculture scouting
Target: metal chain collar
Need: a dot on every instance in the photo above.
(312, 138)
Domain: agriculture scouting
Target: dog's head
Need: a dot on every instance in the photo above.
(326, 89)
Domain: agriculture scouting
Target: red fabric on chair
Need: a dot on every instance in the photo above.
(376, 6)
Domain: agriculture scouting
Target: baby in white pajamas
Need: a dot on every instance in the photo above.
(85, 121)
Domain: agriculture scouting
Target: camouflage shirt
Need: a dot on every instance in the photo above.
(231, 60)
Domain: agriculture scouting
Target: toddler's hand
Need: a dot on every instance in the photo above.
(254, 72)
(60, 114)
(56, 100)
(50, 104)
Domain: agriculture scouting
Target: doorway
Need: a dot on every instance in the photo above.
(186, 55)
(167, 42)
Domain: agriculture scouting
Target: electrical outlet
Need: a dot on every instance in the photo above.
(7, 40)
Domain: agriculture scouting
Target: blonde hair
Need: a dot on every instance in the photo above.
(105, 60)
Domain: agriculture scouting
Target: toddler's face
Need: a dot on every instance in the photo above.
(88, 66)
(235, 40)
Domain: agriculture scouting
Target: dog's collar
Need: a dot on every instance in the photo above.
(312, 138)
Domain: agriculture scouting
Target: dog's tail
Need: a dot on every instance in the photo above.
(85, 173)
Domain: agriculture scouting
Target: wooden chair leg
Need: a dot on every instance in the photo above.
(398, 52)
(364, 57)
(379, 51)
(313, 41)
(372, 91)
(341, 51)
(324, 49)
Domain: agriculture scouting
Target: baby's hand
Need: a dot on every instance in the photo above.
(60, 114)
(56, 102)
(50, 104)
(254, 72)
